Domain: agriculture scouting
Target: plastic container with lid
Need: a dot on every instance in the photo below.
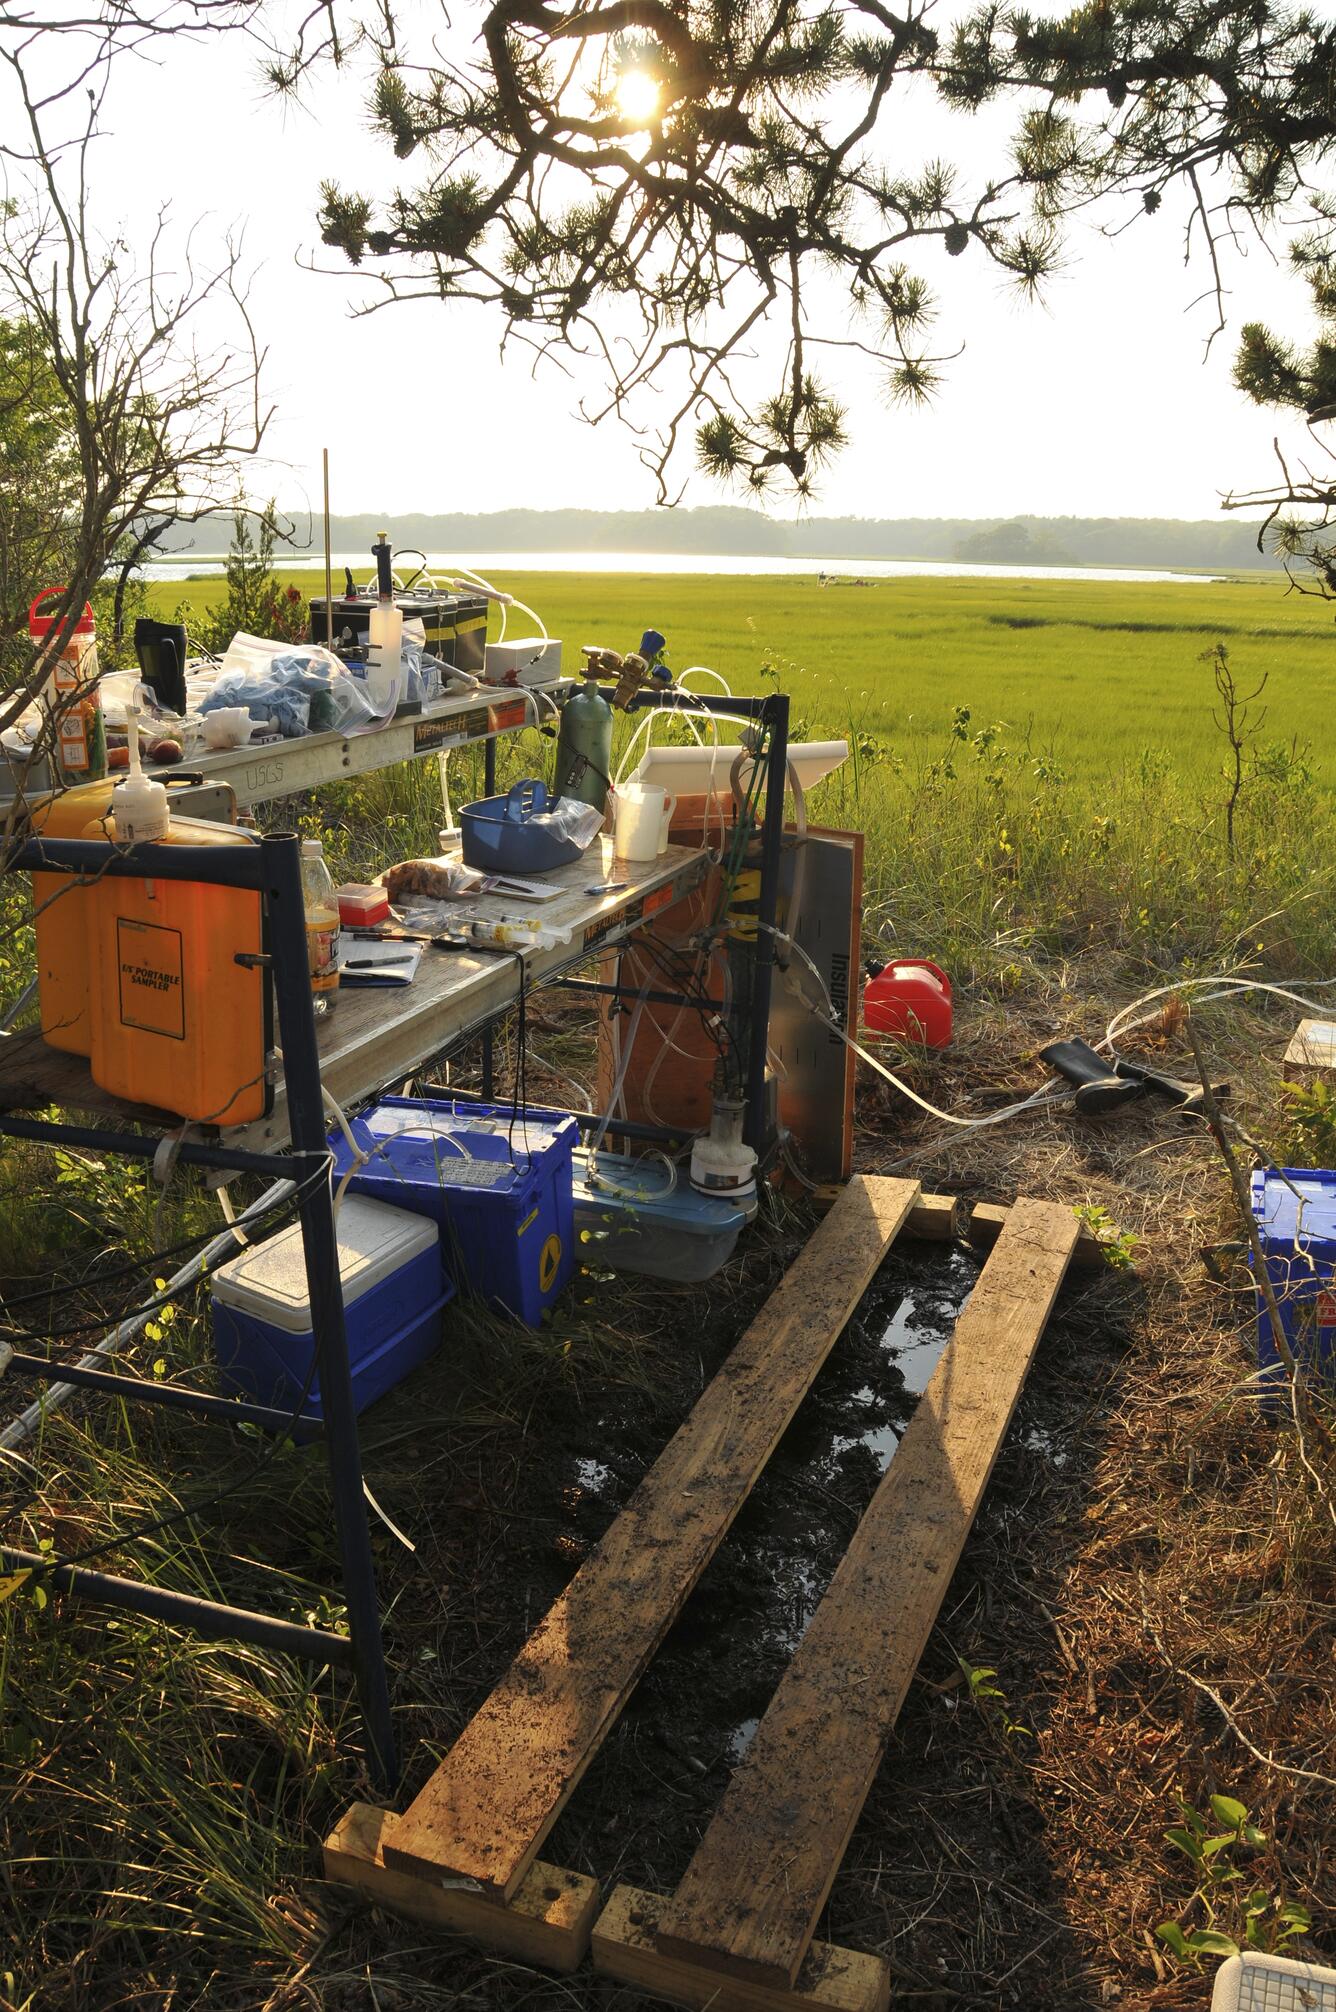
(71, 694)
(362, 905)
(393, 1292)
(628, 1219)
(497, 1181)
(1295, 1212)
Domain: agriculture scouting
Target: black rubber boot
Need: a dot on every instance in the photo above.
(1098, 1088)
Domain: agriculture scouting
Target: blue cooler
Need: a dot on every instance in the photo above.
(393, 1292)
(1298, 1233)
(498, 1183)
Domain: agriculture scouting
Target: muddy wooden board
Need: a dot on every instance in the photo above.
(489, 1805)
(830, 1980)
(547, 1922)
(751, 1897)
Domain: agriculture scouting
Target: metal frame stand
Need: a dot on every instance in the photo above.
(272, 869)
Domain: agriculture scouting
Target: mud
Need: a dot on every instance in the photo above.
(694, 1712)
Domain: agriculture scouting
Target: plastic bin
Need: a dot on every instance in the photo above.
(498, 1183)
(500, 836)
(632, 1221)
(393, 1293)
(1298, 1233)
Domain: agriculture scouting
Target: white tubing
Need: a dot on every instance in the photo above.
(59, 1394)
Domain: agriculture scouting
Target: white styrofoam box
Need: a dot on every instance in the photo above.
(528, 660)
(268, 1280)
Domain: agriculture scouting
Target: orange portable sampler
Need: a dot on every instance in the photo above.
(142, 975)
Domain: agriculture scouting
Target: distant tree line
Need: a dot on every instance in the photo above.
(1213, 545)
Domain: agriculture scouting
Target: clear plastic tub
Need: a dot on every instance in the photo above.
(628, 1219)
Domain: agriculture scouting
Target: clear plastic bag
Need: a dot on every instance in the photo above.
(571, 819)
(290, 688)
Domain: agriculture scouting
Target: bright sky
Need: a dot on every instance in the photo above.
(1099, 402)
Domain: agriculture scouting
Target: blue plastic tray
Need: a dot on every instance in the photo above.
(500, 837)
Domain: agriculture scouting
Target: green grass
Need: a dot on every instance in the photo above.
(1094, 671)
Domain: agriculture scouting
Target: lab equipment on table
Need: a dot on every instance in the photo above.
(394, 1290)
(642, 814)
(584, 740)
(523, 660)
(322, 927)
(161, 650)
(527, 832)
(159, 982)
(1295, 1212)
(362, 905)
(497, 1181)
(70, 698)
(635, 1215)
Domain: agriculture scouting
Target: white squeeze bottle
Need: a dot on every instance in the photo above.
(322, 927)
(139, 805)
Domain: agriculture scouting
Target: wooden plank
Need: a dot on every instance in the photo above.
(1312, 1049)
(830, 1980)
(548, 1922)
(502, 1786)
(987, 1220)
(752, 1894)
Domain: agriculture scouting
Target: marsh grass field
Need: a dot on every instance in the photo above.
(1094, 672)
(1037, 764)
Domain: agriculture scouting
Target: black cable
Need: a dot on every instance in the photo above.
(190, 1510)
(137, 1264)
(289, 1207)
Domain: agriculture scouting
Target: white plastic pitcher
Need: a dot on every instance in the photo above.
(642, 818)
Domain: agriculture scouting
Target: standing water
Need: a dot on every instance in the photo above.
(690, 1719)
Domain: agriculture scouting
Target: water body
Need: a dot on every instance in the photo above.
(496, 566)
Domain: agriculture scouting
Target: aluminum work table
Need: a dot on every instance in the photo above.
(381, 1033)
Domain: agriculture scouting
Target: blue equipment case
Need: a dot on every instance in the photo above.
(498, 1182)
(1298, 1233)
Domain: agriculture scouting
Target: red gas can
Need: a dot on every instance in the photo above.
(911, 1000)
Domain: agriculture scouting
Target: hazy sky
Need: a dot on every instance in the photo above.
(1098, 402)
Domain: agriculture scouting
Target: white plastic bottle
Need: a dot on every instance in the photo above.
(139, 804)
(322, 927)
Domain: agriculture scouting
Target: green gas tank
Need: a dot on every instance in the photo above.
(584, 745)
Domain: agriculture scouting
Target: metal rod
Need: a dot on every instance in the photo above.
(171, 1396)
(95, 858)
(329, 559)
(59, 1394)
(142, 1145)
(621, 991)
(755, 1129)
(306, 1122)
(489, 766)
(209, 1618)
(588, 1121)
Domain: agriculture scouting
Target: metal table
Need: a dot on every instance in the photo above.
(381, 1033)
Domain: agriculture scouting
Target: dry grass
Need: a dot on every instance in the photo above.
(1146, 1532)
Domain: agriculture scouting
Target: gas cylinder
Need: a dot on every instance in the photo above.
(71, 695)
(584, 745)
(911, 1000)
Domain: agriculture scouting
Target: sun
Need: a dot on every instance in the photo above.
(638, 94)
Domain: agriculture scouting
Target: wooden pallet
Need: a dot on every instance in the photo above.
(477, 1825)
(744, 1915)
